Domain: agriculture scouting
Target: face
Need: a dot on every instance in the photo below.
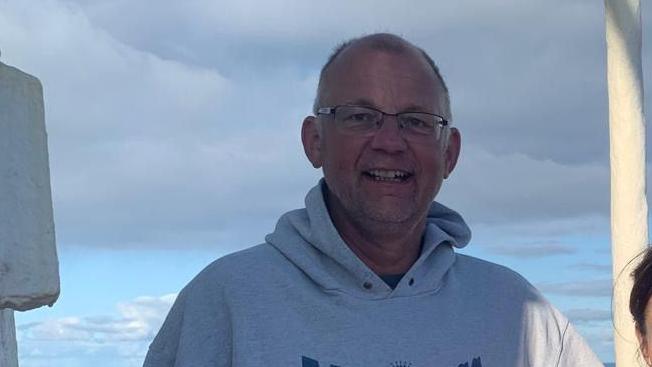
(356, 168)
(645, 341)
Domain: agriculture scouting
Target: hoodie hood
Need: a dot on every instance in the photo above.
(308, 239)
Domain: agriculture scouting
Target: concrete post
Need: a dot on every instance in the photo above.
(629, 212)
(8, 348)
(29, 270)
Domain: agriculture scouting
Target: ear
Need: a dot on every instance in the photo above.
(452, 150)
(311, 139)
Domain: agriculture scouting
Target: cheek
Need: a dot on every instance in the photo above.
(432, 164)
(645, 347)
(343, 154)
(339, 164)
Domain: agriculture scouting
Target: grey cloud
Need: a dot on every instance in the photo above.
(525, 77)
(595, 267)
(191, 136)
(543, 229)
(586, 288)
(532, 250)
(502, 188)
(587, 315)
(151, 151)
(184, 195)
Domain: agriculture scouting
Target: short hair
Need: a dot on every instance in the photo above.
(383, 42)
(641, 290)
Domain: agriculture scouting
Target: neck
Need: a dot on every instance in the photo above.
(386, 248)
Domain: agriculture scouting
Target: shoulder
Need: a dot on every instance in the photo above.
(485, 276)
(243, 260)
(201, 314)
(254, 260)
(497, 285)
(546, 333)
(239, 269)
(482, 273)
(548, 338)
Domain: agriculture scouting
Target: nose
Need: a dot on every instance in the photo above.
(388, 137)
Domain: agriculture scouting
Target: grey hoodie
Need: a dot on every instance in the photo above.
(303, 298)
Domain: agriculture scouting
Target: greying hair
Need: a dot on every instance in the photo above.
(383, 42)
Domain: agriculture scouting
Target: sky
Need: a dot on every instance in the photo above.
(174, 140)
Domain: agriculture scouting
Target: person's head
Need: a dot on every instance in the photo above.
(639, 304)
(381, 168)
(389, 43)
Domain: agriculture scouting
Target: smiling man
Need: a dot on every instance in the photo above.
(366, 274)
(381, 136)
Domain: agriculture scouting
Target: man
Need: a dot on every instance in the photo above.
(366, 275)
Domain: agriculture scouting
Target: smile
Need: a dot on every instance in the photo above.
(388, 175)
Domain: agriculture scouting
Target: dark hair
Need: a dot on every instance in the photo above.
(384, 42)
(642, 290)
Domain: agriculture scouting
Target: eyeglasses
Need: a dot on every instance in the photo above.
(366, 121)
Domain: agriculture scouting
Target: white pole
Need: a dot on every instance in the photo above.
(629, 212)
(8, 348)
(29, 270)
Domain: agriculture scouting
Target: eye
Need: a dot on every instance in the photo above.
(418, 123)
(359, 117)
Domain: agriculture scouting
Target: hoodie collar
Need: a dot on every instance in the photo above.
(308, 238)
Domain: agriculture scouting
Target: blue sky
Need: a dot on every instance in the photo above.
(174, 139)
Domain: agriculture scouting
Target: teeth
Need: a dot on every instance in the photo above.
(393, 175)
(388, 173)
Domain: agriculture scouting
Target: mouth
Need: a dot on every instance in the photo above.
(388, 175)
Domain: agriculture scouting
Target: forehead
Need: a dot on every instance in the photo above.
(391, 80)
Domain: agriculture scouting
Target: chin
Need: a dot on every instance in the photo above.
(389, 215)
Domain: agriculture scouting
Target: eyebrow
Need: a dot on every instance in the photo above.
(367, 103)
(361, 102)
(417, 108)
